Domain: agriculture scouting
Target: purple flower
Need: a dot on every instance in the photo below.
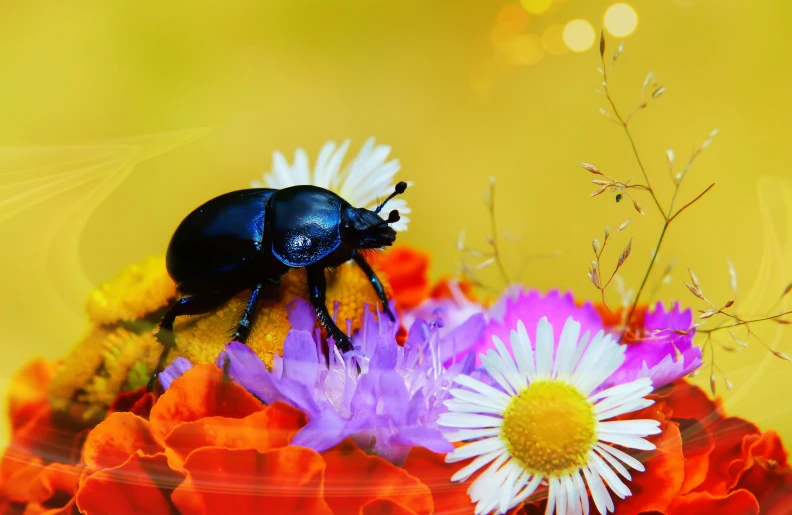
(390, 406)
(664, 354)
(173, 371)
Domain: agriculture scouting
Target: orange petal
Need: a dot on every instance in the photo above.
(654, 489)
(201, 392)
(286, 480)
(138, 401)
(57, 482)
(766, 473)
(385, 507)
(727, 460)
(739, 502)
(28, 391)
(70, 508)
(112, 442)
(697, 445)
(354, 479)
(142, 484)
(407, 271)
(264, 430)
(44, 438)
(16, 484)
(436, 474)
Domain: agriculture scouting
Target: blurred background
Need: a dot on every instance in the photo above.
(461, 90)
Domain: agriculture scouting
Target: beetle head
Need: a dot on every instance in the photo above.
(364, 229)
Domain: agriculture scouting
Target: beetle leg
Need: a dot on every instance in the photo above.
(243, 329)
(186, 306)
(375, 282)
(317, 284)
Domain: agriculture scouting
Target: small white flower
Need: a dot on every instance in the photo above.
(545, 425)
(367, 178)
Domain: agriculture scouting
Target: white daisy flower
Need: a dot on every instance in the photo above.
(545, 425)
(367, 178)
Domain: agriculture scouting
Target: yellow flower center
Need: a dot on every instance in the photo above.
(549, 428)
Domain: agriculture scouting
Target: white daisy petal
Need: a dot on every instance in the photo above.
(468, 420)
(623, 456)
(528, 489)
(561, 497)
(466, 407)
(523, 353)
(514, 377)
(630, 427)
(509, 486)
(607, 474)
(367, 177)
(622, 390)
(471, 468)
(476, 448)
(484, 415)
(552, 492)
(544, 348)
(626, 441)
(635, 405)
(602, 499)
(480, 387)
(614, 463)
(478, 398)
(497, 370)
(566, 348)
(471, 434)
(582, 493)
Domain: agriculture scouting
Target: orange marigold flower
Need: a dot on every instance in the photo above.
(205, 432)
(407, 270)
(40, 468)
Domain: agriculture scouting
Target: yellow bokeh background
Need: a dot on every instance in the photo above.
(432, 80)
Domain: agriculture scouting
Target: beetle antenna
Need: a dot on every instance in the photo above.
(393, 217)
(398, 190)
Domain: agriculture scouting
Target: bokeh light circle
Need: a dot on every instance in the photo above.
(620, 20)
(528, 49)
(579, 35)
(536, 6)
(553, 40)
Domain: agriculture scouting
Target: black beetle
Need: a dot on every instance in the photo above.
(248, 239)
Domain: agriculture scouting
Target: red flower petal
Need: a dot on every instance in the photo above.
(142, 484)
(727, 460)
(286, 480)
(739, 502)
(654, 489)
(766, 473)
(264, 430)
(449, 497)
(354, 479)
(689, 401)
(407, 271)
(201, 392)
(697, 445)
(384, 507)
(113, 441)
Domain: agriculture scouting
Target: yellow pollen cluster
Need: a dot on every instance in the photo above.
(120, 351)
(201, 338)
(549, 428)
(347, 285)
(139, 290)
